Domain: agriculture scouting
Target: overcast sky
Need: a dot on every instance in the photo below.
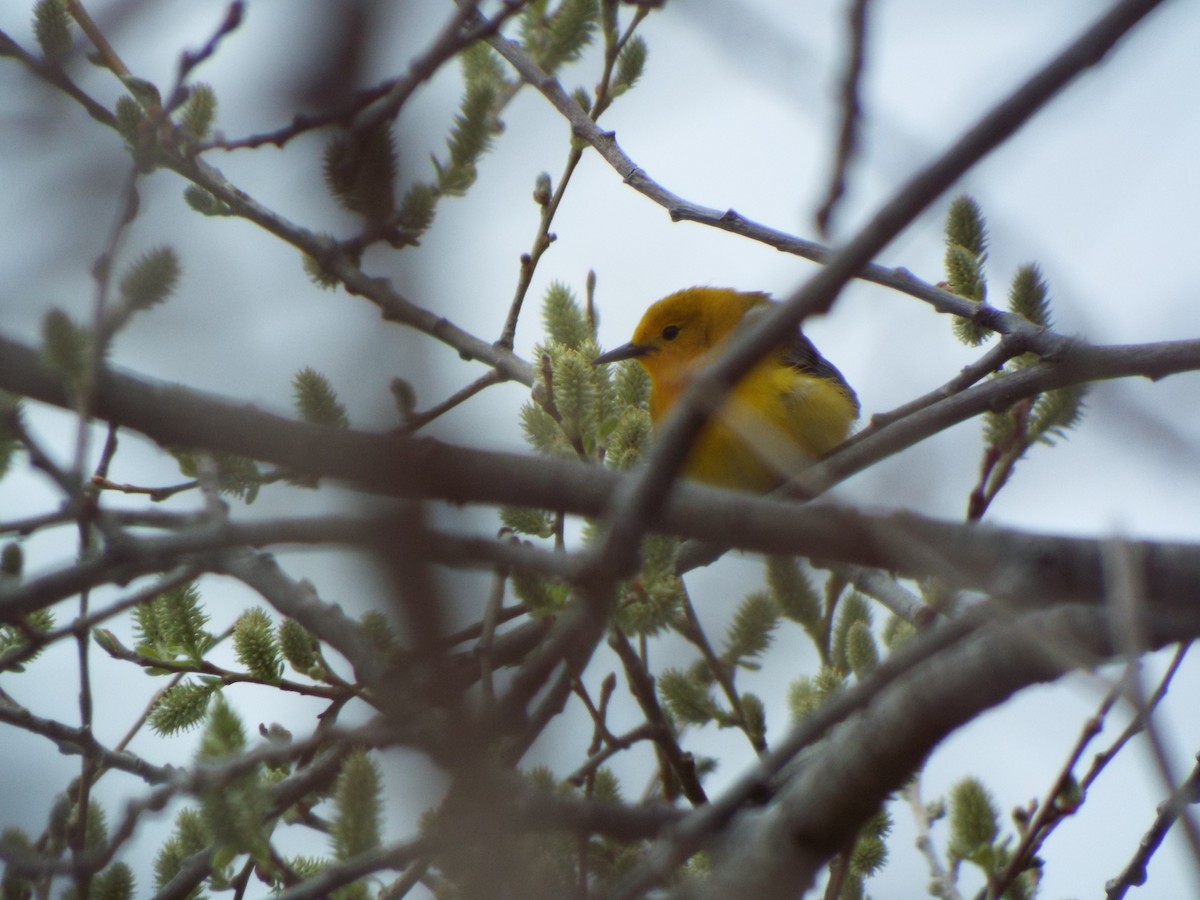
(737, 109)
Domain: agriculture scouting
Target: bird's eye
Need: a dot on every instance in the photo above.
(670, 332)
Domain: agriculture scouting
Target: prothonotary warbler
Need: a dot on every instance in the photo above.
(791, 408)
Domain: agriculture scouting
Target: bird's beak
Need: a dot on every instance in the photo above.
(625, 351)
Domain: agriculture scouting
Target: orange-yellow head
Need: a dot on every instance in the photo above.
(789, 409)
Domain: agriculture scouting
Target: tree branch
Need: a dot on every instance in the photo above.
(952, 674)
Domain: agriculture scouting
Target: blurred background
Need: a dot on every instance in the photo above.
(737, 109)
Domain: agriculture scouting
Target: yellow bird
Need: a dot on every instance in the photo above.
(791, 408)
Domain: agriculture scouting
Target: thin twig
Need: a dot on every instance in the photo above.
(634, 507)
(1010, 345)
(487, 634)
(99, 41)
(851, 112)
(1128, 601)
(884, 588)
(694, 632)
(681, 765)
(1052, 811)
(941, 881)
(418, 420)
(1134, 874)
(1043, 342)
(549, 206)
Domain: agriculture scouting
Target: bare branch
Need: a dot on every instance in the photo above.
(851, 111)
(1134, 873)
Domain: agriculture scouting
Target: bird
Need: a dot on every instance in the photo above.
(788, 410)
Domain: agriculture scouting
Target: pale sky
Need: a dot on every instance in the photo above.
(737, 108)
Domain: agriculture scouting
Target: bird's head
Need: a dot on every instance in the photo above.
(681, 328)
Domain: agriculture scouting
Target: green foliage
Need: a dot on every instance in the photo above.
(182, 706)
(223, 736)
(751, 630)
(417, 210)
(541, 596)
(861, 652)
(316, 272)
(13, 884)
(357, 820)
(10, 414)
(605, 786)
(95, 834)
(15, 638)
(567, 421)
(1024, 886)
(1008, 433)
(1045, 418)
(475, 124)
(973, 822)
(171, 625)
(632, 385)
(556, 38)
(306, 867)
(1002, 428)
(577, 411)
(151, 279)
(60, 822)
(1029, 295)
(52, 28)
(806, 694)
(65, 347)
(649, 604)
(870, 850)
(564, 319)
(630, 64)
(534, 522)
(794, 594)
(688, 698)
(237, 476)
(659, 553)
(360, 171)
(964, 273)
(114, 883)
(1055, 412)
(203, 202)
(965, 226)
(966, 253)
(584, 99)
(199, 112)
(300, 648)
(129, 115)
(237, 810)
(755, 718)
(854, 610)
(316, 401)
(575, 395)
(482, 68)
(652, 600)
(191, 835)
(543, 433)
(578, 403)
(376, 627)
(628, 440)
(255, 644)
(897, 632)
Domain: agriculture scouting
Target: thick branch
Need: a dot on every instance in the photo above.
(778, 850)
(1012, 563)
